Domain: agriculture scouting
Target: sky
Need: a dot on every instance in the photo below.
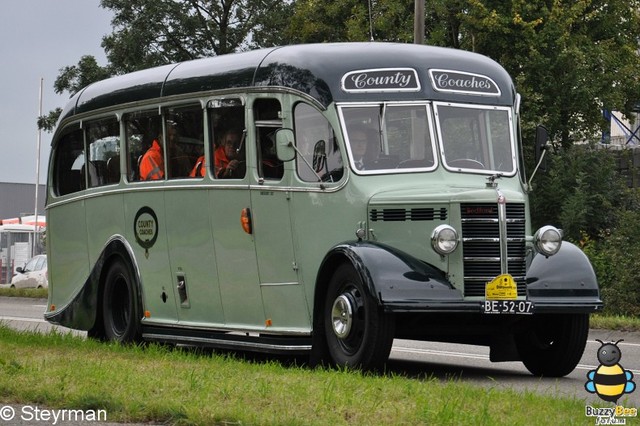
(37, 39)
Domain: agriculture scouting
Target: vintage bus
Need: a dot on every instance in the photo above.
(313, 199)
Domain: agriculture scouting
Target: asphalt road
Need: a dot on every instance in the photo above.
(439, 360)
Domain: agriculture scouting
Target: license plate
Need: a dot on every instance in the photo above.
(522, 307)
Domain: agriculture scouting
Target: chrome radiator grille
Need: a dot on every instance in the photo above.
(481, 246)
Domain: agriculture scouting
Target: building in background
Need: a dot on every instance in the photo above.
(20, 232)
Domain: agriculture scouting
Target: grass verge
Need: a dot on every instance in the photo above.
(615, 322)
(158, 384)
(36, 293)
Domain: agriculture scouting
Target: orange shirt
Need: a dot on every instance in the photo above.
(202, 164)
(152, 163)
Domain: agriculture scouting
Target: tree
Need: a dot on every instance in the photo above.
(348, 20)
(149, 33)
(72, 79)
(155, 32)
(570, 59)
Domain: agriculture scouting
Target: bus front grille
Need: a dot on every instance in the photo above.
(481, 246)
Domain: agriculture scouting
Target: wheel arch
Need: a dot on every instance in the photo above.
(568, 274)
(390, 275)
(84, 309)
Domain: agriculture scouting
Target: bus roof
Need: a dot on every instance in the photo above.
(315, 69)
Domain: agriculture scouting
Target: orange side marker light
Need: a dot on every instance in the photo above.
(245, 220)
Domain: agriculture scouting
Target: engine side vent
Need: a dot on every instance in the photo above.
(401, 215)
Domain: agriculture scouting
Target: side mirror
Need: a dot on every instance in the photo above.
(19, 270)
(542, 138)
(285, 148)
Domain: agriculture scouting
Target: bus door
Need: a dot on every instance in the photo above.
(194, 272)
(228, 197)
(285, 305)
(144, 212)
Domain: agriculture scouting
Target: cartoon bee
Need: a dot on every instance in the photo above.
(609, 381)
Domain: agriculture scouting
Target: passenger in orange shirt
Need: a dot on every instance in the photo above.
(228, 162)
(152, 163)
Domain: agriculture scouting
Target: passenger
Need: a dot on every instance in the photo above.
(228, 164)
(228, 161)
(152, 162)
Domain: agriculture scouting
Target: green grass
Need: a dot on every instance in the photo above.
(159, 384)
(615, 322)
(37, 293)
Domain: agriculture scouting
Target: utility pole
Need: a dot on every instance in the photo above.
(418, 23)
(35, 233)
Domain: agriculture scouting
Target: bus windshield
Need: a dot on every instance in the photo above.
(474, 138)
(388, 137)
(393, 138)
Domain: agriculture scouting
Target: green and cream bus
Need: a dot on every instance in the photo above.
(372, 191)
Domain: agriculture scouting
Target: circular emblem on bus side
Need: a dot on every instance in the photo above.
(145, 227)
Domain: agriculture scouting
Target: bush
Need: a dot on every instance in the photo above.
(583, 193)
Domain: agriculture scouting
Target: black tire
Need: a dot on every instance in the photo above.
(364, 338)
(120, 311)
(553, 344)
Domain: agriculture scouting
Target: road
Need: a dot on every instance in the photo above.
(440, 360)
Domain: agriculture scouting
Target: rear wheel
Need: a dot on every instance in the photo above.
(120, 310)
(553, 345)
(358, 333)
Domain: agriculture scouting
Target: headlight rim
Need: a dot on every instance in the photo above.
(540, 245)
(435, 239)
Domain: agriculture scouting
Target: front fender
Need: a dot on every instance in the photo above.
(395, 278)
(566, 277)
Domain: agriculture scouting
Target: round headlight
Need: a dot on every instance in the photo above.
(548, 240)
(444, 239)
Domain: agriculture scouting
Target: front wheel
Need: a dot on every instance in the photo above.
(120, 310)
(358, 333)
(553, 344)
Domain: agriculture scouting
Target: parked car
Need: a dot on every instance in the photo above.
(33, 274)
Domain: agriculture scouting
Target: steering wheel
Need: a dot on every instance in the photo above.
(466, 163)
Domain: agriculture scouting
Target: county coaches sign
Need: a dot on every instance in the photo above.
(463, 82)
(381, 80)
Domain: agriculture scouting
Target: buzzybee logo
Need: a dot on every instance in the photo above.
(610, 381)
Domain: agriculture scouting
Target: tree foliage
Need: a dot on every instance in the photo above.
(156, 32)
(149, 33)
(569, 59)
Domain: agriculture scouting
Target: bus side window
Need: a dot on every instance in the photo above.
(103, 150)
(185, 139)
(228, 139)
(69, 162)
(317, 143)
(141, 129)
(267, 119)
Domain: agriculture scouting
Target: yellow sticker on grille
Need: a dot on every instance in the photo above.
(502, 287)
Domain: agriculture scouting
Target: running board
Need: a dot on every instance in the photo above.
(231, 341)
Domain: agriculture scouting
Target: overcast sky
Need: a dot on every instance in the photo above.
(37, 39)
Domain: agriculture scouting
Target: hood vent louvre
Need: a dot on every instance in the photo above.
(401, 215)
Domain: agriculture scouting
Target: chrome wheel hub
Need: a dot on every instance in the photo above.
(342, 316)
